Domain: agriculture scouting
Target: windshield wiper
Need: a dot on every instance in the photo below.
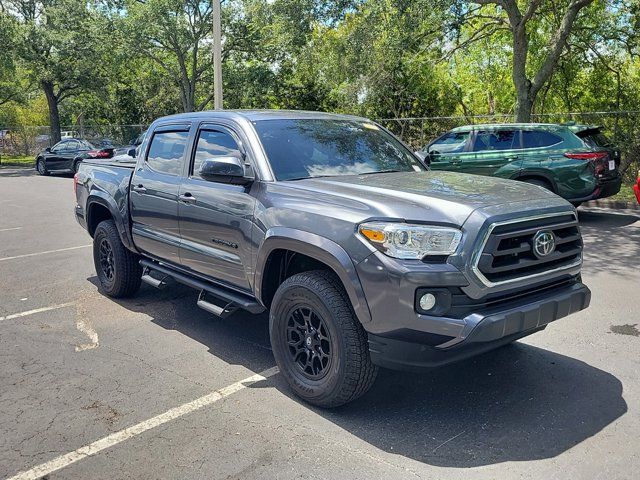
(380, 171)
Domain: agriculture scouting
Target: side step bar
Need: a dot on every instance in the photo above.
(209, 306)
(229, 297)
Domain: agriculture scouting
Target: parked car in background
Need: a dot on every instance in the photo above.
(134, 143)
(636, 187)
(577, 162)
(66, 155)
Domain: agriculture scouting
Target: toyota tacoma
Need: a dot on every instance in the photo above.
(362, 256)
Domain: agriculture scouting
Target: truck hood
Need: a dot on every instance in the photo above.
(444, 197)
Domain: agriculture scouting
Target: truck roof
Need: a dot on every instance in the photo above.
(255, 115)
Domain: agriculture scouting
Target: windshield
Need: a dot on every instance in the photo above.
(305, 148)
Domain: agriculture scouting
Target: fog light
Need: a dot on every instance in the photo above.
(427, 301)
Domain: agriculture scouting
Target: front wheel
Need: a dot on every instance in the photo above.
(41, 167)
(318, 343)
(118, 269)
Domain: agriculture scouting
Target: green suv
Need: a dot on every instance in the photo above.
(576, 162)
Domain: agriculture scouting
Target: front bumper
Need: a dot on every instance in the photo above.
(483, 331)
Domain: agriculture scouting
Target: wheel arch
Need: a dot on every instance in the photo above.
(536, 175)
(313, 252)
(101, 207)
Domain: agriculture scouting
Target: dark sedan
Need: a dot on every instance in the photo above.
(65, 156)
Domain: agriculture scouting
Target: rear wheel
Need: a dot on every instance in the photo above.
(539, 182)
(41, 167)
(118, 269)
(76, 166)
(318, 343)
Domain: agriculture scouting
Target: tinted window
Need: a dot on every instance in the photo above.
(166, 153)
(594, 138)
(537, 139)
(496, 140)
(72, 145)
(58, 147)
(213, 143)
(452, 142)
(306, 148)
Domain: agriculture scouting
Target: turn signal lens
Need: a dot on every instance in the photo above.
(373, 235)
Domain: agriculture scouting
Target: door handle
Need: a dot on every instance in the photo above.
(512, 158)
(139, 188)
(187, 198)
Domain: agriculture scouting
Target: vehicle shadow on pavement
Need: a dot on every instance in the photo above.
(516, 403)
(611, 242)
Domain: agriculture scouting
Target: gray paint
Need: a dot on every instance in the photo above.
(228, 234)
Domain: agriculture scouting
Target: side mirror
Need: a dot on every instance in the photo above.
(48, 149)
(221, 169)
(132, 152)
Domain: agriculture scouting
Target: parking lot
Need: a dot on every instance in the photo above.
(154, 387)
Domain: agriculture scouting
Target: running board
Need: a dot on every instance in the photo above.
(229, 297)
(154, 282)
(209, 306)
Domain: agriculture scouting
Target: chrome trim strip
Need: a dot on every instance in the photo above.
(476, 258)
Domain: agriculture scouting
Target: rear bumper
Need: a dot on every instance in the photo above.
(488, 330)
(605, 188)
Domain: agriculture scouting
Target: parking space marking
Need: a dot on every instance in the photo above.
(118, 437)
(9, 229)
(44, 253)
(36, 310)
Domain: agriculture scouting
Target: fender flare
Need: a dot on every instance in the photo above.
(321, 249)
(119, 218)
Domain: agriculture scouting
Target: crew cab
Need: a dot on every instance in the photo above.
(362, 256)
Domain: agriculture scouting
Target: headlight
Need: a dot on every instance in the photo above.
(404, 240)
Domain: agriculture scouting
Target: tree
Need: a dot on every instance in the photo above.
(519, 18)
(11, 89)
(59, 43)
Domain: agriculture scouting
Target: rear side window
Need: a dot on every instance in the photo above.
(71, 145)
(538, 139)
(496, 140)
(452, 142)
(213, 143)
(166, 153)
(594, 138)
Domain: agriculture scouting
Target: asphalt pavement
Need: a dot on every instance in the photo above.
(154, 387)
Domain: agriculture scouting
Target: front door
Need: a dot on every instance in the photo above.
(154, 193)
(56, 158)
(216, 218)
(494, 151)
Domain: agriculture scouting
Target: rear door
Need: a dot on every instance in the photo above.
(492, 151)
(216, 218)
(154, 192)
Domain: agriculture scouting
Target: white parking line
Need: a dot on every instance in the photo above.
(44, 253)
(9, 229)
(130, 432)
(37, 310)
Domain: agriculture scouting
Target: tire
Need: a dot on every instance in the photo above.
(118, 269)
(76, 166)
(340, 370)
(539, 182)
(41, 167)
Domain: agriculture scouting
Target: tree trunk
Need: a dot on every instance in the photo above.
(524, 105)
(54, 115)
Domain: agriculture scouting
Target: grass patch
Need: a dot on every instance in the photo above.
(625, 194)
(17, 160)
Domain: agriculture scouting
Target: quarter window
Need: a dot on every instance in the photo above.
(166, 153)
(538, 139)
(496, 140)
(213, 143)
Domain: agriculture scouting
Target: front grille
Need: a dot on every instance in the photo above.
(508, 253)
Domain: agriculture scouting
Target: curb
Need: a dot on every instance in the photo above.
(612, 204)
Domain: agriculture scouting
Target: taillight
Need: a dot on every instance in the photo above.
(99, 153)
(587, 155)
(75, 184)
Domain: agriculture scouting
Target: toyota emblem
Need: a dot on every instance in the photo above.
(544, 243)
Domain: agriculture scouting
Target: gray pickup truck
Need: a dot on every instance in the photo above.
(360, 254)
